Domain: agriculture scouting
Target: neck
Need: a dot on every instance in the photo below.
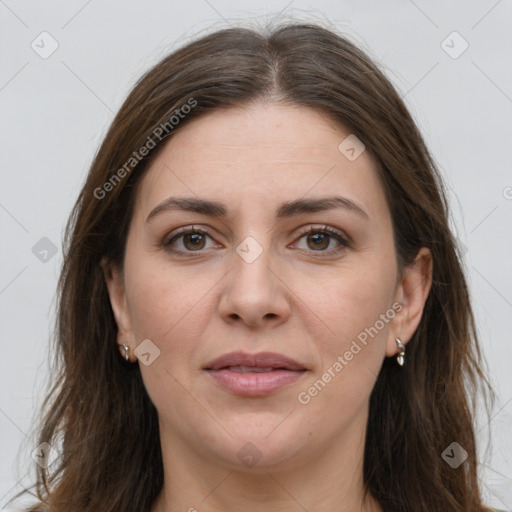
(322, 480)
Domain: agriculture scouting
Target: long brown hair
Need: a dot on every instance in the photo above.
(98, 414)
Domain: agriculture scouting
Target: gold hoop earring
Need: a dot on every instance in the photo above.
(400, 358)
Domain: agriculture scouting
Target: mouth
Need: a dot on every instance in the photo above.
(254, 374)
(266, 361)
(251, 369)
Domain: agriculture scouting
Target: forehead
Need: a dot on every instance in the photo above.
(261, 155)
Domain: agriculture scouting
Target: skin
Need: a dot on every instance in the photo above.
(296, 299)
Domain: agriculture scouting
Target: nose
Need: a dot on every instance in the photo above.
(254, 293)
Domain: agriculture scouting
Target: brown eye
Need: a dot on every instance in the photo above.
(319, 241)
(187, 240)
(324, 240)
(194, 241)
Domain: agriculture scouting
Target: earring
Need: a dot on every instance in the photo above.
(126, 349)
(400, 358)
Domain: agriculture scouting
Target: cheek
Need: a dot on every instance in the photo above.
(356, 306)
(354, 298)
(351, 354)
(165, 305)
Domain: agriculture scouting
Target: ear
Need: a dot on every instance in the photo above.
(412, 293)
(116, 290)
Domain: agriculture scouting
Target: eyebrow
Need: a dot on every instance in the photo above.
(285, 210)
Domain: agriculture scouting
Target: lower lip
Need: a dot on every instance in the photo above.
(255, 384)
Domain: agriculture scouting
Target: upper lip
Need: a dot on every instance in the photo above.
(258, 360)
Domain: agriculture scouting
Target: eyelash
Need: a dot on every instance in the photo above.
(335, 234)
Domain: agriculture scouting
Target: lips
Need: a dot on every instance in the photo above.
(254, 375)
(262, 361)
(250, 369)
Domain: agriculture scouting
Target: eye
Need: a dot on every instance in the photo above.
(318, 239)
(189, 239)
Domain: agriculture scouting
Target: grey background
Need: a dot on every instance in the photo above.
(56, 110)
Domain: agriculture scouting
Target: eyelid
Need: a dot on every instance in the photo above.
(324, 227)
(184, 231)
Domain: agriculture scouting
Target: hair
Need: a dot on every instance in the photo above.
(97, 411)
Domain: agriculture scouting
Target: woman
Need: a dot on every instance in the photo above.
(261, 303)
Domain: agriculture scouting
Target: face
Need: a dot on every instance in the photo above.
(271, 267)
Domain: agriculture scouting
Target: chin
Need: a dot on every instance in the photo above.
(261, 447)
